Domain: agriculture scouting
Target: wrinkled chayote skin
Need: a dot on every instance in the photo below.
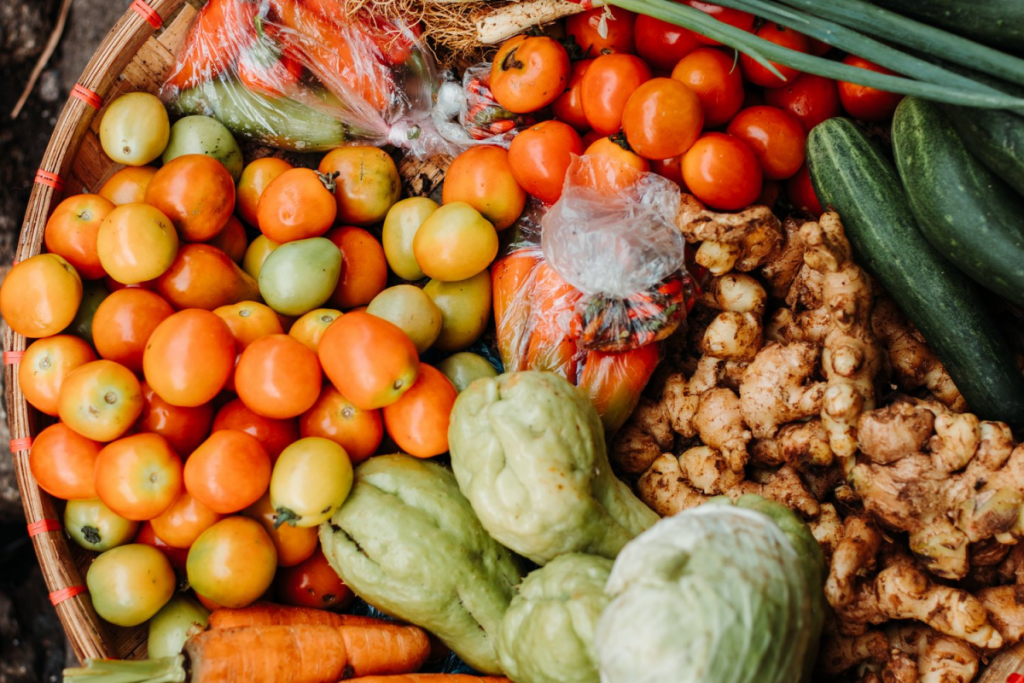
(528, 451)
(547, 635)
(406, 541)
(715, 594)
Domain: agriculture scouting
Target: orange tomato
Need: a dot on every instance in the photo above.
(310, 328)
(292, 543)
(128, 186)
(613, 165)
(606, 88)
(662, 119)
(722, 172)
(757, 74)
(529, 72)
(63, 462)
(540, 155)
(368, 359)
(40, 295)
(334, 417)
(45, 365)
(196, 192)
(228, 472)
(418, 421)
(569, 105)
(139, 476)
(275, 435)
(774, 136)
(313, 583)
(184, 428)
(100, 400)
(482, 177)
(72, 229)
(176, 556)
(232, 240)
(123, 322)
(366, 185)
(189, 358)
(180, 524)
(136, 243)
(278, 377)
(232, 563)
(297, 205)
(713, 76)
(364, 268)
(255, 178)
(671, 168)
(203, 276)
(602, 31)
(249, 321)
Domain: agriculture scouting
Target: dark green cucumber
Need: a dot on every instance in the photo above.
(996, 137)
(852, 176)
(971, 216)
(998, 23)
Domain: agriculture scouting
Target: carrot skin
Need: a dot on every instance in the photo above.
(431, 678)
(268, 614)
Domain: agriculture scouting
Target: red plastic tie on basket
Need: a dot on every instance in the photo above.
(22, 443)
(50, 180)
(147, 13)
(1015, 678)
(42, 526)
(13, 357)
(57, 597)
(15, 262)
(87, 96)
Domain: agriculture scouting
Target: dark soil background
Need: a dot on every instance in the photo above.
(32, 643)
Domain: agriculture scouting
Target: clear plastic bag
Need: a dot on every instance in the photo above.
(304, 75)
(480, 119)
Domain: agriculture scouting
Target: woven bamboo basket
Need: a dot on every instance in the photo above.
(135, 56)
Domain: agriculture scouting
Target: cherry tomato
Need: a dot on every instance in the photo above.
(726, 15)
(602, 31)
(776, 138)
(540, 155)
(232, 240)
(184, 428)
(662, 44)
(180, 525)
(606, 88)
(310, 328)
(614, 166)
(196, 192)
(249, 321)
(366, 186)
(801, 193)
(568, 106)
(278, 377)
(311, 480)
(712, 74)
(297, 205)
(418, 421)
(528, 73)
(275, 435)
(671, 168)
(128, 186)
(72, 229)
(130, 583)
(662, 119)
(203, 276)
(136, 243)
(232, 563)
(123, 323)
(364, 270)
(313, 583)
(100, 400)
(176, 556)
(780, 35)
(292, 543)
(139, 476)
(228, 472)
(721, 171)
(864, 102)
(482, 177)
(334, 417)
(94, 526)
(64, 463)
(255, 178)
(45, 365)
(40, 296)
(189, 358)
(809, 98)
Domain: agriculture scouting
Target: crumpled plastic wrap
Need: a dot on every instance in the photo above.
(304, 75)
(468, 114)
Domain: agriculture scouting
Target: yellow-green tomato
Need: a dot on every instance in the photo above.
(454, 243)
(300, 276)
(257, 252)
(135, 129)
(233, 562)
(205, 135)
(311, 479)
(177, 621)
(94, 526)
(130, 583)
(400, 226)
(465, 309)
(464, 368)
(409, 308)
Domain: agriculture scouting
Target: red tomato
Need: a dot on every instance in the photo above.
(184, 428)
(863, 102)
(64, 462)
(313, 583)
(123, 323)
(780, 35)
(721, 171)
(540, 155)
(776, 138)
(180, 525)
(662, 119)
(602, 31)
(189, 357)
(662, 44)
(278, 377)
(528, 73)
(139, 476)
(177, 556)
(569, 105)
(228, 472)
(801, 193)
(811, 99)
(669, 168)
(275, 435)
(418, 421)
(713, 76)
(72, 229)
(606, 88)
(334, 417)
(770, 191)
(726, 15)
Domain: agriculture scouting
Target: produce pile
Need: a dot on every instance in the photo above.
(317, 431)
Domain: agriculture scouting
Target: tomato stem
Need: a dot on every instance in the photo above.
(284, 515)
(510, 61)
(329, 180)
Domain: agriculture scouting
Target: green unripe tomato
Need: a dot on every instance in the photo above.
(94, 526)
(412, 311)
(130, 583)
(464, 367)
(135, 129)
(177, 621)
(400, 226)
(205, 135)
(465, 309)
(300, 276)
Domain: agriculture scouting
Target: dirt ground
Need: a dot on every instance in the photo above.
(32, 644)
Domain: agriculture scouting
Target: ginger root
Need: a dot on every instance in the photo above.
(777, 387)
(741, 241)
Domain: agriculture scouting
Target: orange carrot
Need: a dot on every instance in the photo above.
(614, 381)
(222, 30)
(431, 678)
(268, 614)
(511, 279)
(551, 348)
